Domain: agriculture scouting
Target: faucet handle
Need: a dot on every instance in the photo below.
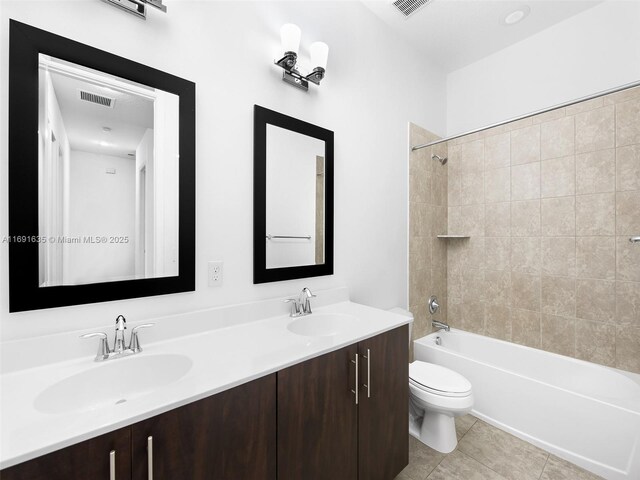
(134, 344)
(121, 322)
(103, 347)
(295, 306)
(307, 292)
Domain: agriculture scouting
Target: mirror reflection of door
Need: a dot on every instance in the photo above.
(108, 181)
(295, 199)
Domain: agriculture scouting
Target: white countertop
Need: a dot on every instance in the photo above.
(222, 358)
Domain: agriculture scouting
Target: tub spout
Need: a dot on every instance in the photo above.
(440, 325)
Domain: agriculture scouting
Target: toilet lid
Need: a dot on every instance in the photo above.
(437, 378)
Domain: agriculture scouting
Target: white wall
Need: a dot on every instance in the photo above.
(291, 196)
(375, 84)
(593, 51)
(101, 205)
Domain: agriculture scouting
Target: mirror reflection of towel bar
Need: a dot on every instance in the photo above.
(634, 239)
(271, 237)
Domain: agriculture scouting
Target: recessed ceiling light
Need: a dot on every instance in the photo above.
(106, 129)
(516, 16)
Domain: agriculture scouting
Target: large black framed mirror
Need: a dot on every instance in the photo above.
(292, 198)
(101, 175)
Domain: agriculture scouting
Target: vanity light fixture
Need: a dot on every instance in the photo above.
(137, 7)
(319, 52)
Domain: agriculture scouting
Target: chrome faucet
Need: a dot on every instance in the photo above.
(119, 349)
(301, 305)
(440, 325)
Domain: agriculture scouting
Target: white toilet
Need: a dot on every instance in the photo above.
(436, 396)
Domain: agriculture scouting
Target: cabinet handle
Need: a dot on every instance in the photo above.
(356, 390)
(112, 465)
(150, 456)
(368, 384)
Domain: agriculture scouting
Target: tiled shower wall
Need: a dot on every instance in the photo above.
(549, 203)
(427, 218)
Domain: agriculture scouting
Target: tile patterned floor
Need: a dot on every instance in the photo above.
(487, 453)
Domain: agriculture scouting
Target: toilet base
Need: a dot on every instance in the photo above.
(438, 431)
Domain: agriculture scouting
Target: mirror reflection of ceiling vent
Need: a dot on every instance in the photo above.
(97, 99)
(409, 7)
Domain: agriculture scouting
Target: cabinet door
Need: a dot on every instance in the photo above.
(383, 415)
(228, 436)
(317, 419)
(90, 459)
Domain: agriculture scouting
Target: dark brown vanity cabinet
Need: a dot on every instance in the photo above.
(92, 459)
(228, 436)
(324, 435)
(300, 423)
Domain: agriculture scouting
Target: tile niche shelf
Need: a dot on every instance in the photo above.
(453, 236)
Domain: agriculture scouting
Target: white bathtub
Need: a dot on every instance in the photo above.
(585, 413)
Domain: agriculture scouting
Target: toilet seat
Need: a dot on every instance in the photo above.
(438, 380)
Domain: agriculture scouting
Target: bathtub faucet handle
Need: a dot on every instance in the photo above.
(433, 305)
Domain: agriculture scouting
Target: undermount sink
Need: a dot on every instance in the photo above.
(112, 383)
(322, 324)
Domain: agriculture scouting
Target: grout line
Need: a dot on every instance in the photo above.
(545, 465)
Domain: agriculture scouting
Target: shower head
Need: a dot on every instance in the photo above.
(442, 161)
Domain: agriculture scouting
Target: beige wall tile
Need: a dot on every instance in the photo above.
(558, 216)
(497, 151)
(498, 253)
(454, 164)
(497, 185)
(628, 349)
(596, 257)
(472, 185)
(473, 289)
(525, 218)
(497, 284)
(454, 190)
(525, 327)
(627, 122)
(472, 219)
(559, 256)
(596, 300)
(472, 156)
(454, 286)
(497, 222)
(628, 168)
(454, 220)
(595, 342)
(557, 138)
(548, 116)
(622, 96)
(628, 303)
(525, 255)
(472, 319)
(559, 296)
(627, 259)
(419, 221)
(584, 106)
(439, 187)
(420, 251)
(525, 291)
(525, 145)
(628, 213)
(595, 129)
(558, 177)
(595, 172)
(595, 214)
(497, 319)
(558, 334)
(419, 280)
(471, 252)
(419, 186)
(525, 181)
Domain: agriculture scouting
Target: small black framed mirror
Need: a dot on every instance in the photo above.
(101, 175)
(292, 198)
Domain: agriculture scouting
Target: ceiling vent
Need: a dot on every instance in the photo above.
(409, 7)
(97, 99)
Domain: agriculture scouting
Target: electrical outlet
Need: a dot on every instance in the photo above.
(215, 274)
